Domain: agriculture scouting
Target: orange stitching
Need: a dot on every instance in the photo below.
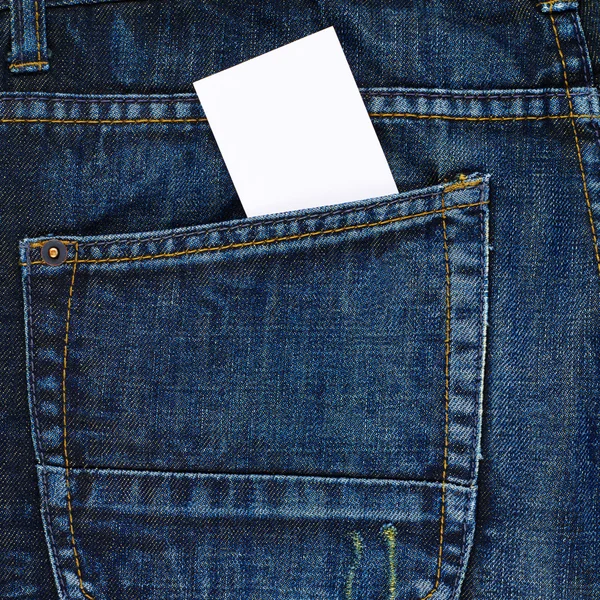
(461, 185)
(285, 238)
(447, 342)
(551, 3)
(65, 446)
(40, 244)
(577, 144)
(203, 119)
(453, 118)
(38, 63)
(37, 32)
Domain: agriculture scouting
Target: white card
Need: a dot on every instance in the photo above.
(293, 129)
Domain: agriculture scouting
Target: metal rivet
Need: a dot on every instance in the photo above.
(54, 253)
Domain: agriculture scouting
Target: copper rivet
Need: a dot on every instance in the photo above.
(54, 253)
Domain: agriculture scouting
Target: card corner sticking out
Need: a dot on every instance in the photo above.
(272, 117)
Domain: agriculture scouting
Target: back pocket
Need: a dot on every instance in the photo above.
(268, 408)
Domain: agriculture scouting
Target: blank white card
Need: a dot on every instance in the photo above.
(293, 129)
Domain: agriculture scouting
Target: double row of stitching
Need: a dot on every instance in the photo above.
(65, 437)
(394, 115)
(447, 345)
(264, 222)
(272, 240)
(249, 227)
(192, 102)
(573, 118)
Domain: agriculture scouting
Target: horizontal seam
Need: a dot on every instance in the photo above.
(158, 472)
(458, 95)
(237, 245)
(192, 100)
(36, 63)
(490, 118)
(203, 119)
(104, 121)
(263, 222)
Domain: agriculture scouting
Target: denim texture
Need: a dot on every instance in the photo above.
(349, 402)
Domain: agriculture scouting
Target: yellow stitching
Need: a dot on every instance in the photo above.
(40, 244)
(389, 532)
(577, 145)
(447, 343)
(65, 445)
(37, 63)
(357, 544)
(297, 236)
(454, 118)
(37, 32)
(460, 185)
(203, 119)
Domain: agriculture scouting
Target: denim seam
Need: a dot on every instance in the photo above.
(286, 238)
(480, 351)
(571, 116)
(192, 100)
(480, 347)
(39, 62)
(32, 362)
(587, 70)
(463, 554)
(44, 485)
(457, 488)
(458, 95)
(47, 515)
(65, 440)
(577, 143)
(250, 226)
(285, 221)
(447, 344)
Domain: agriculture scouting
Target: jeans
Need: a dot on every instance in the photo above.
(397, 398)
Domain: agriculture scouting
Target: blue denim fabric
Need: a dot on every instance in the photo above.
(391, 399)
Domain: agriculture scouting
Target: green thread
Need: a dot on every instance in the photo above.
(357, 544)
(389, 533)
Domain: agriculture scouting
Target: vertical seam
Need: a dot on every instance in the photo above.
(589, 79)
(45, 510)
(576, 137)
(389, 533)
(65, 444)
(31, 357)
(50, 527)
(37, 32)
(357, 547)
(447, 341)
(481, 350)
(21, 33)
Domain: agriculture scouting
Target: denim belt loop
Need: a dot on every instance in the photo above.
(29, 53)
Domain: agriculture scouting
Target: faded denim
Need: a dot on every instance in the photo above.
(392, 399)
